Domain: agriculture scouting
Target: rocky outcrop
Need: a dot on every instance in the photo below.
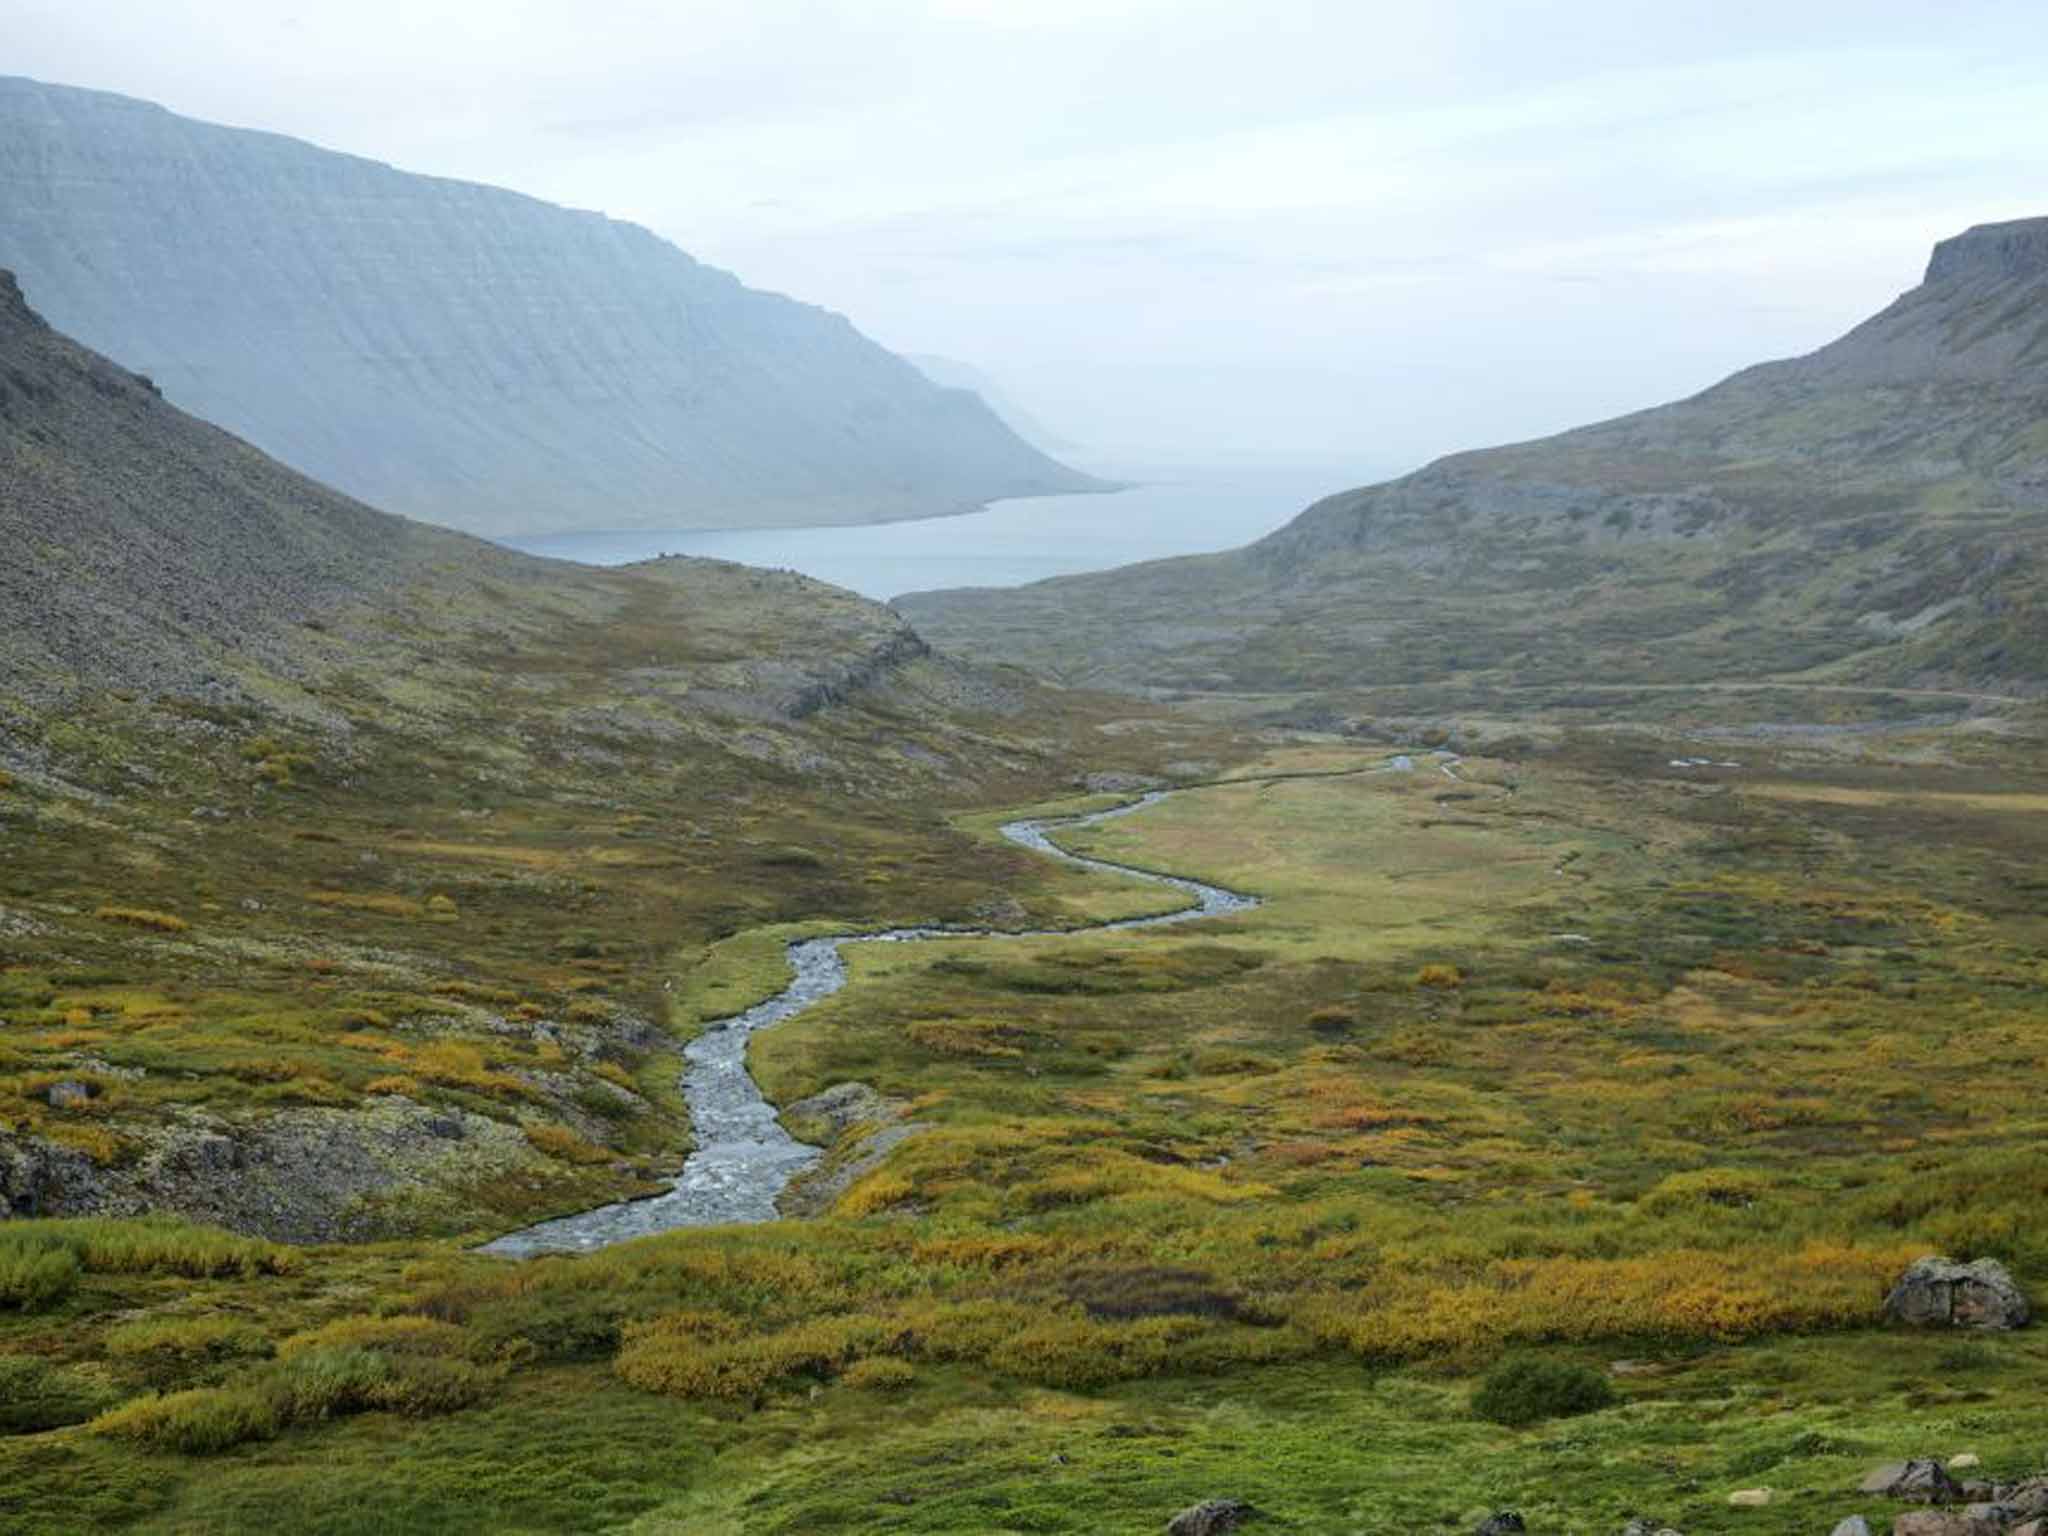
(463, 354)
(301, 1176)
(2018, 248)
(1923, 1481)
(859, 1126)
(901, 648)
(1211, 1517)
(1941, 1293)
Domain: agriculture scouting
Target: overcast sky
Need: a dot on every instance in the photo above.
(1185, 229)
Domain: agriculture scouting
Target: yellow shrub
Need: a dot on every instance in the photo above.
(142, 917)
(681, 1361)
(1442, 977)
(559, 1141)
(197, 1423)
(1704, 1187)
(95, 1141)
(394, 1335)
(876, 1192)
(409, 1087)
(879, 1373)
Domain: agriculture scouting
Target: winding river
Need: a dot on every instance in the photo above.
(744, 1158)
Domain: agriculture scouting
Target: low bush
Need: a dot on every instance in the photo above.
(394, 1335)
(315, 1384)
(879, 1373)
(1729, 1188)
(36, 1271)
(36, 1395)
(142, 917)
(687, 1355)
(1528, 1389)
(200, 1422)
(172, 1350)
(559, 1142)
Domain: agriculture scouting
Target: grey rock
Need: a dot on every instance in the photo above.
(69, 1095)
(1211, 1517)
(2027, 1499)
(466, 355)
(1855, 1525)
(1923, 1480)
(2018, 248)
(1938, 1292)
(1506, 1522)
(1642, 1525)
(41, 1178)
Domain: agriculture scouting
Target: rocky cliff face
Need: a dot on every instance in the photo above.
(1877, 509)
(463, 354)
(1995, 251)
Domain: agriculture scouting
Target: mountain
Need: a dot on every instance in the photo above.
(145, 551)
(464, 354)
(1873, 513)
(951, 373)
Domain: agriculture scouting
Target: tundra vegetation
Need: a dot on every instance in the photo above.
(1347, 1206)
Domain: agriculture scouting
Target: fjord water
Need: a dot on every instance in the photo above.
(1025, 539)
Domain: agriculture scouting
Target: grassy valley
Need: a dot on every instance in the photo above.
(1688, 1072)
(1623, 1014)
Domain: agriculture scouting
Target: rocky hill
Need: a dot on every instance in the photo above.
(463, 354)
(1874, 512)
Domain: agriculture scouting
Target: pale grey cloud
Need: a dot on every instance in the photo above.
(1189, 227)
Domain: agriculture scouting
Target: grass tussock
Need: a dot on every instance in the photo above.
(143, 917)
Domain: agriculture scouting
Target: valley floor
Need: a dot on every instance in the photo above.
(1577, 1052)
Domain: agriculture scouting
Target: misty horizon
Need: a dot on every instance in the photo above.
(1168, 235)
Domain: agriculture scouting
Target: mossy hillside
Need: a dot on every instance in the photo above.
(489, 890)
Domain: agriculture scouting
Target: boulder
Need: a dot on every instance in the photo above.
(1644, 1526)
(69, 1095)
(1855, 1525)
(1211, 1517)
(1506, 1522)
(2030, 1528)
(1940, 1293)
(1963, 1461)
(1750, 1498)
(1924, 1481)
(2027, 1500)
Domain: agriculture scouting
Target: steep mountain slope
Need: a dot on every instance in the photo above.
(346, 865)
(464, 354)
(951, 373)
(1875, 511)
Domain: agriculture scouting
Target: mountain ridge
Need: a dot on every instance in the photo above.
(466, 354)
(1867, 513)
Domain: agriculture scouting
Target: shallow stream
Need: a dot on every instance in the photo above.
(744, 1158)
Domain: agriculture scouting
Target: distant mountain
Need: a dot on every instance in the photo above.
(1874, 512)
(463, 354)
(951, 373)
